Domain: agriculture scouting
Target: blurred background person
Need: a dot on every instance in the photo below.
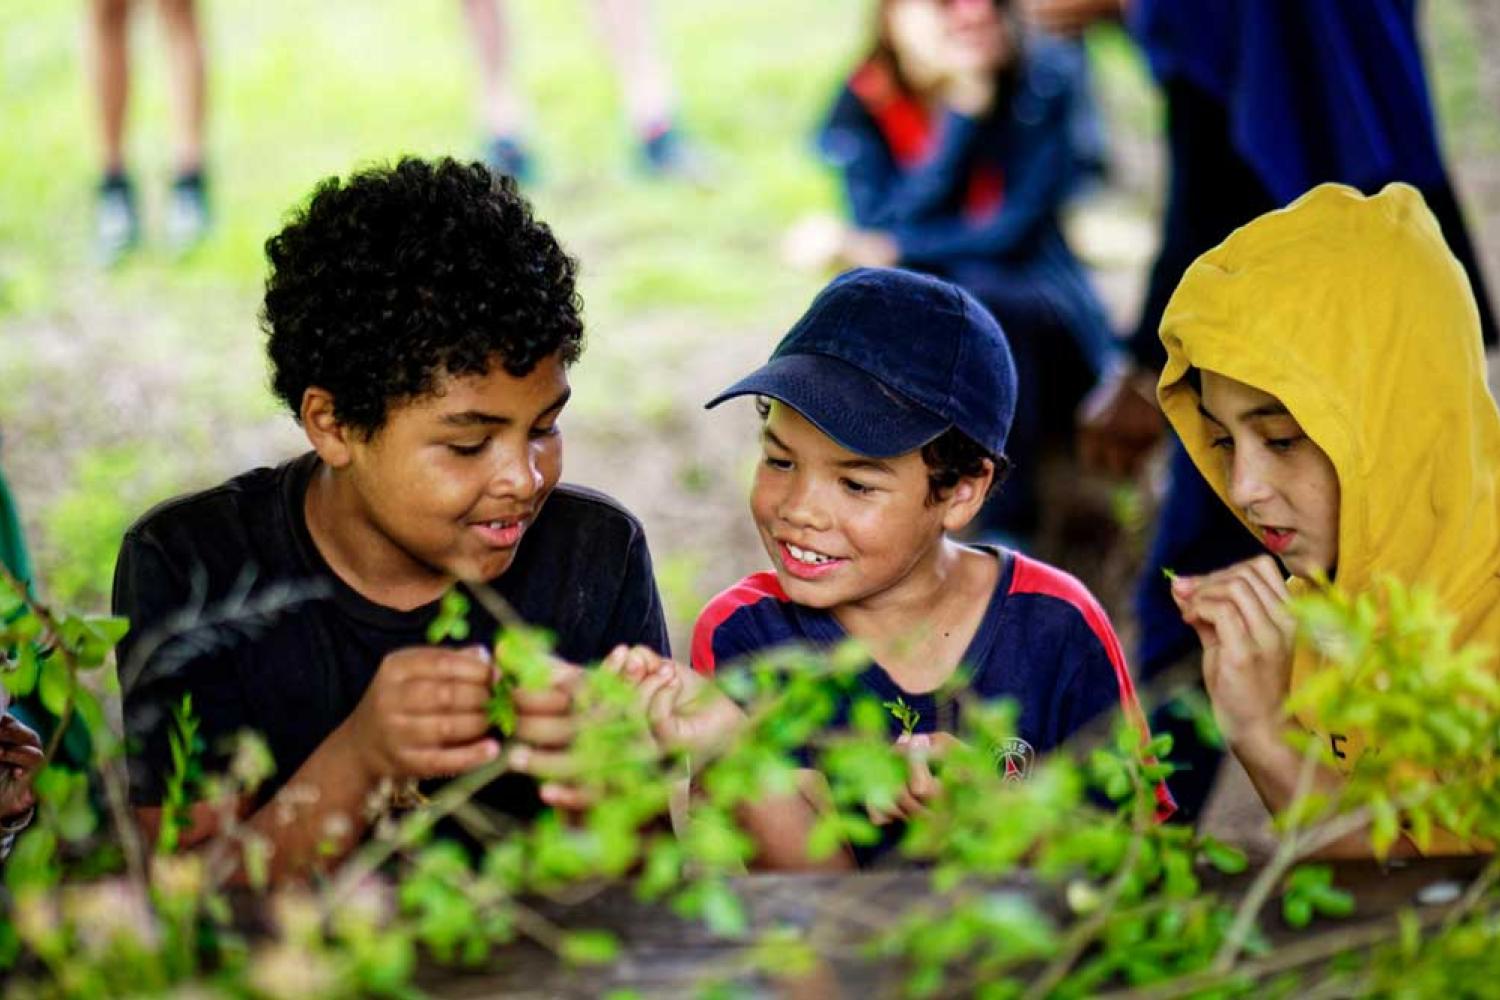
(958, 139)
(1264, 100)
(117, 216)
(629, 31)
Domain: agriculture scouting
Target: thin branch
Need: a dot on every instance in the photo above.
(368, 859)
(1247, 917)
(1287, 957)
(1081, 935)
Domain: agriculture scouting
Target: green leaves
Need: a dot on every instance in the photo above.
(904, 714)
(452, 621)
(589, 947)
(1309, 891)
(1227, 859)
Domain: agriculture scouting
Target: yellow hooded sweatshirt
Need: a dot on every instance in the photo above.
(1354, 314)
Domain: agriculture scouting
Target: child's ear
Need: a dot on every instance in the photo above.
(967, 498)
(329, 438)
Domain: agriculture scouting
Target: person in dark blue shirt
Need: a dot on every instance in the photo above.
(958, 141)
(877, 447)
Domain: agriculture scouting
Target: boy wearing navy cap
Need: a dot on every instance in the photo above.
(886, 410)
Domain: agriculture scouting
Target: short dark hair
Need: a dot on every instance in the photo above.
(383, 283)
(949, 457)
(952, 456)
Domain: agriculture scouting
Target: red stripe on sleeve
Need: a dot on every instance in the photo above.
(1033, 577)
(751, 590)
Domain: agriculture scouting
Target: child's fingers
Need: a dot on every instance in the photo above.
(942, 743)
(1266, 620)
(24, 756)
(661, 706)
(569, 798)
(1230, 631)
(456, 666)
(432, 762)
(643, 660)
(441, 697)
(908, 805)
(615, 662)
(554, 699)
(546, 730)
(920, 782)
(451, 729)
(548, 765)
(881, 817)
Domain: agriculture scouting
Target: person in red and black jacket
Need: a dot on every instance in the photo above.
(958, 140)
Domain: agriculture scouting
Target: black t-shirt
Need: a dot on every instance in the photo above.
(230, 600)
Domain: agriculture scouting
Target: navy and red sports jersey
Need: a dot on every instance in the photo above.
(1044, 642)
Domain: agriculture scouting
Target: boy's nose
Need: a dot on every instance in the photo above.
(519, 477)
(1247, 483)
(799, 508)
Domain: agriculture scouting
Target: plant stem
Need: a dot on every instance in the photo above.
(1287, 852)
(374, 854)
(1083, 934)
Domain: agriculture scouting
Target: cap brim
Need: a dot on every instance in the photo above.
(850, 406)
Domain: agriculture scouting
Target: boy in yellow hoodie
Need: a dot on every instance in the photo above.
(1326, 375)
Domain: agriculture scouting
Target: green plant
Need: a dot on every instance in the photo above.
(93, 921)
(904, 714)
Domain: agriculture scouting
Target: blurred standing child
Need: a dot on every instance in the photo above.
(117, 221)
(956, 139)
(629, 31)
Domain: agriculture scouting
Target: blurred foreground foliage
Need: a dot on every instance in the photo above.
(1110, 898)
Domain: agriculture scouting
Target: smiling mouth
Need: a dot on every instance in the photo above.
(806, 563)
(501, 533)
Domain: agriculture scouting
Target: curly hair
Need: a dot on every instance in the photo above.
(386, 282)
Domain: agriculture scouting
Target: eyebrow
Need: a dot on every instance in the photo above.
(479, 418)
(866, 464)
(1276, 409)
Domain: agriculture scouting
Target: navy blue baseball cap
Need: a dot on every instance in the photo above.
(885, 361)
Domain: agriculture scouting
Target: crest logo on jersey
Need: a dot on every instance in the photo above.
(1013, 758)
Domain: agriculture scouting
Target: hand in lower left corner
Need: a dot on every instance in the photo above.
(21, 756)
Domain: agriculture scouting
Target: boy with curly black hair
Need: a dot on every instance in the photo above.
(420, 325)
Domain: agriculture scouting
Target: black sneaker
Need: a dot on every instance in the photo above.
(666, 154)
(509, 156)
(188, 218)
(117, 226)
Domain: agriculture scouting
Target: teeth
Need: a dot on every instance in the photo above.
(501, 525)
(807, 555)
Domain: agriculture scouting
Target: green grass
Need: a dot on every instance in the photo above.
(118, 388)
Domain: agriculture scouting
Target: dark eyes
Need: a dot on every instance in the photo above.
(470, 450)
(779, 464)
(855, 487)
(1281, 444)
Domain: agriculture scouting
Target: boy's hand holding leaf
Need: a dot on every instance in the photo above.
(425, 714)
(922, 785)
(1240, 615)
(685, 710)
